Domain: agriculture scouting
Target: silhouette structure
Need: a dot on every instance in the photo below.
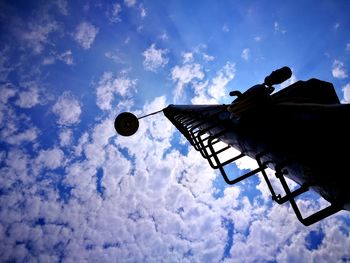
(300, 132)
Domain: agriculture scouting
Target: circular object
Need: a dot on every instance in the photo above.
(126, 124)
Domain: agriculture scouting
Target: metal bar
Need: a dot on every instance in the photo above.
(269, 185)
(245, 176)
(149, 114)
(323, 213)
(302, 189)
(218, 160)
(277, 198)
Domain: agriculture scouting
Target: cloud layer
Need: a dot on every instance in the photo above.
(67, 109)
(154, 58)
(85, 34)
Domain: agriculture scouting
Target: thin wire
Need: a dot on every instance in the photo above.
(150, 114)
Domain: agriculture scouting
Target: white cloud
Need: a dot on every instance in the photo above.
(225, 28)
(201, 94)
(154, 58)
(94, 149)
(336, 26)
(83, 140)
(278, 28)
(15, 128)
(37, 34)
(51, 158)
(28, 98)
(129, 3)
(183, 75)
(257, 39)
(191, 73)
(65, 137)
(208, 58)
(28, 135)
(85, 34)
(67, 109)
(346, 93)
(49, 60)
(159, 127)
(245, 54)
(164, 36)
(143, 11)
(7, 91)
(140, 28)
(347, 47)
(224, 76)
(62, 6)
(265, 238)
(109, 85)
(113, 13)
(187, 57)
(66, 57)
(115, 56)
(338, 70)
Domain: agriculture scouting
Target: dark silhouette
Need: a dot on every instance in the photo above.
(300, 132)
(126, 124)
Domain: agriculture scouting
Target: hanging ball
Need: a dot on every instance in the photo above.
(126, 124)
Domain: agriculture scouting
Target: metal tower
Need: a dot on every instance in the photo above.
(300, 132)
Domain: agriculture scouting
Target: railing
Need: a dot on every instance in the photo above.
(203, 128)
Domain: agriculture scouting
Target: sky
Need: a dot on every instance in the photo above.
(72, 190)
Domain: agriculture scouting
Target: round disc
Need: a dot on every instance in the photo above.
(126, 124)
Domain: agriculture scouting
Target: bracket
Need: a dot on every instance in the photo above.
(290, 195)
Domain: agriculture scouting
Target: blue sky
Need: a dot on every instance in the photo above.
(72, 190)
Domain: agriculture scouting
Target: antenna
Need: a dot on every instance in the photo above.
(127, 124)
(278, 76)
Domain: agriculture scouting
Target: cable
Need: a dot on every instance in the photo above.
(153, 113)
